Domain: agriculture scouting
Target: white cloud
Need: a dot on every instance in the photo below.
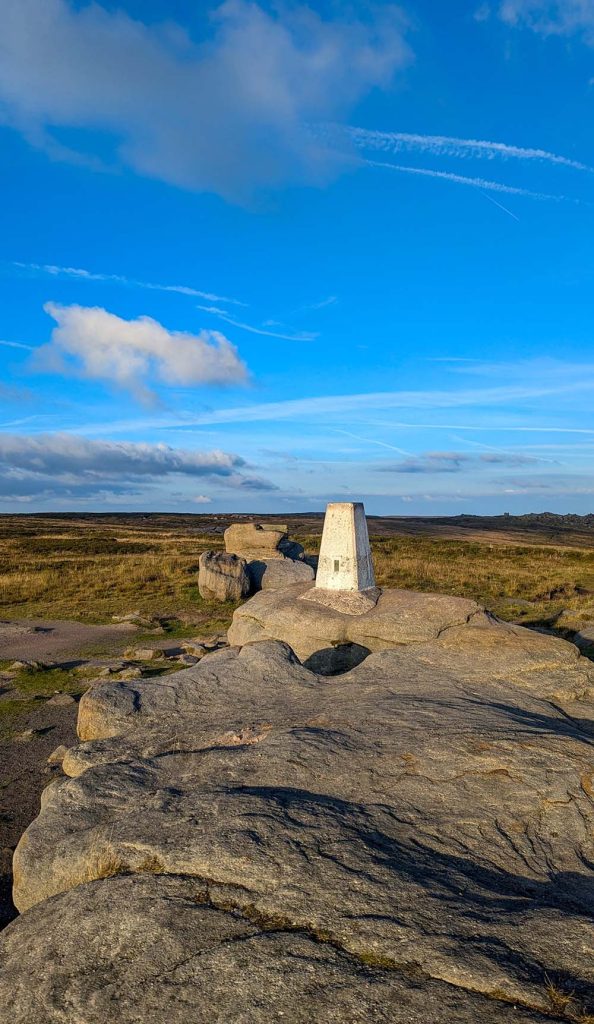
(227, 115)
(552, 17)
(60, 454)
(202, 499)
(102, 346)
(65, 463)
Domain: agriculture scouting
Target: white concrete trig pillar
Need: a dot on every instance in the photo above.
(345, 554)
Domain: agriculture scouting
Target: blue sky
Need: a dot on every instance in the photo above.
(261, 256)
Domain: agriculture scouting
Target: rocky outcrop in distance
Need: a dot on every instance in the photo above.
(257, 557)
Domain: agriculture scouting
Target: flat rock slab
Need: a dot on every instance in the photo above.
(155, 949)
(319, 633)
(429, 812)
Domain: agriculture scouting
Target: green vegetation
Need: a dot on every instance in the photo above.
(43, 682)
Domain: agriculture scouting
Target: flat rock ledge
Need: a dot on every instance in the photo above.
(331, 631)
(247, 841)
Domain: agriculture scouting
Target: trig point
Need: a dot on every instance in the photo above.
(345, 579)
(345, 555)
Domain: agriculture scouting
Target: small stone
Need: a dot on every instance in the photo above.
(130, 673)
(197, 650)
(57, 755)
(19, 666)
(110, 670)
(214, 640)
(187, 659)
(62, 700)
(144, 654)
(28, 734)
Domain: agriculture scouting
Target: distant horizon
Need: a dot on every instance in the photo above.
(291, 515)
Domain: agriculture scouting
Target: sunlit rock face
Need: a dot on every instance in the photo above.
(426, 817)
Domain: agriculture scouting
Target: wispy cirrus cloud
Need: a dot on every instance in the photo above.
(337, 409)
(460, 179)
(371, 440)
(451, 146)
(286, 335)
(80, 274)
(98, 345)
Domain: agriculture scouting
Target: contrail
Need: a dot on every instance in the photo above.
(370, 440)
(500, 205)
(16, 344)
(460, 179)
(444, 145)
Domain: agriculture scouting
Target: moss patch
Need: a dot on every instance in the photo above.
(45, 682)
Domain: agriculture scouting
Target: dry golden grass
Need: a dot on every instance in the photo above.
(532, 585)
(94, 576)
(90, 570)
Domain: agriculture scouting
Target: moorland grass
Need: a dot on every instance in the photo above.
(92, 578)
(78, 569)
(531, 584)
(42, 682)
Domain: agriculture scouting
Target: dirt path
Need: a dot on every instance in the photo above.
(53, 639)
(24, 774)
(42, 726)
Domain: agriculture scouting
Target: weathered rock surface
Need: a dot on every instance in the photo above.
(145, 948)
(315, 630)
(255, 541)
(429, 812)
(277, 574)
(222, 577)
(584, 639)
